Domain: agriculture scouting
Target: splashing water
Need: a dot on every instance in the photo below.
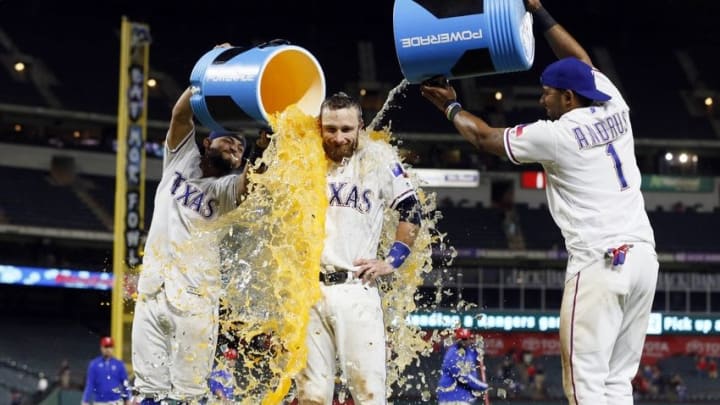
(270, 249)
(297, 164)
(406, 342)
(397, 90)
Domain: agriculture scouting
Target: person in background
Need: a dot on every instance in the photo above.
(222, 379)
(43, 383)
(460, 382)
(712, 369)
(16, 397)
(65, 375)
(107, 378)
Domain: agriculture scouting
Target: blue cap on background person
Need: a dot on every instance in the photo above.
(573, 74)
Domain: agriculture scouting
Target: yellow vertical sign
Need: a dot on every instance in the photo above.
(130, 178)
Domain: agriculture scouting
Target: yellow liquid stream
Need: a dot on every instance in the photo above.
(270, 259)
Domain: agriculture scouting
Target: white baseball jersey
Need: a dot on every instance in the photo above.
(348, 320)
(359, 189)
(593, 181)
(190, 269)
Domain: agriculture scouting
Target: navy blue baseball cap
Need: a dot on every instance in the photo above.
(573, 74)
(219, 134)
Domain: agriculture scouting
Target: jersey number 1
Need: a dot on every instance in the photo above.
(610, 150)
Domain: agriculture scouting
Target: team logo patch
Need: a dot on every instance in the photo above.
(398, 170)
(518, 130)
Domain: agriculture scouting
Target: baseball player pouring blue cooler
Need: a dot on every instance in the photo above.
(174, 330)
(364, 177)
(587, 151)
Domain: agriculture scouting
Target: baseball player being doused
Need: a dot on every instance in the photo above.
(364, 177)
(586, 149)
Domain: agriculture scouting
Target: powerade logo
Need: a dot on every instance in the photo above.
(444, 38)
(232, 73)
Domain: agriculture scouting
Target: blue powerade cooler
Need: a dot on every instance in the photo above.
(233, 85)
(462, 38)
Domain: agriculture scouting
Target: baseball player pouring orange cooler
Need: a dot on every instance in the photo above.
(364, 177)
(587, 151)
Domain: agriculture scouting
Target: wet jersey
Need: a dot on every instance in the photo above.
(359, 189)
(188, 266)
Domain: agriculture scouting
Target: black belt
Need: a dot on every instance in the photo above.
(336, 277)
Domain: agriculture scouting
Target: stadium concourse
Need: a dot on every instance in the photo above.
(57, 173)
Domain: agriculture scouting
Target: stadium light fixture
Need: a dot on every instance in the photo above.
(498, 95)
(669, 156)
(19, 66)
(709, 101)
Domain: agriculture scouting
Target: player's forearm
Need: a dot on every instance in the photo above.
(561, 42)
(564, 45)
(402, 247)
(406, 233)
(242, 186)
(182, 112)
(476, 131)
(473, 382)
(181, 122)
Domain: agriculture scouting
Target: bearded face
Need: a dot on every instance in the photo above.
(340, 130)
(220, 161)
(224, 154)
(337, 152)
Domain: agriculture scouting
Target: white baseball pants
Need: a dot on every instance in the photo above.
(172, 351)
(603, 321)
(347, 322)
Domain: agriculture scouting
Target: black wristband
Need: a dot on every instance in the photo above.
(448, 103)
(453, 111)
(544, 19)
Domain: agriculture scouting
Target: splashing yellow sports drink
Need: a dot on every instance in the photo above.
(271, 247)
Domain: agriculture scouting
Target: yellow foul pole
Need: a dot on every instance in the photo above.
(130, 178)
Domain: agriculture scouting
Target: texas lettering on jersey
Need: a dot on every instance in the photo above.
(350, 196)
(192, 197)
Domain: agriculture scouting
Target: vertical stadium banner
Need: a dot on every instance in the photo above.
(130, 178)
